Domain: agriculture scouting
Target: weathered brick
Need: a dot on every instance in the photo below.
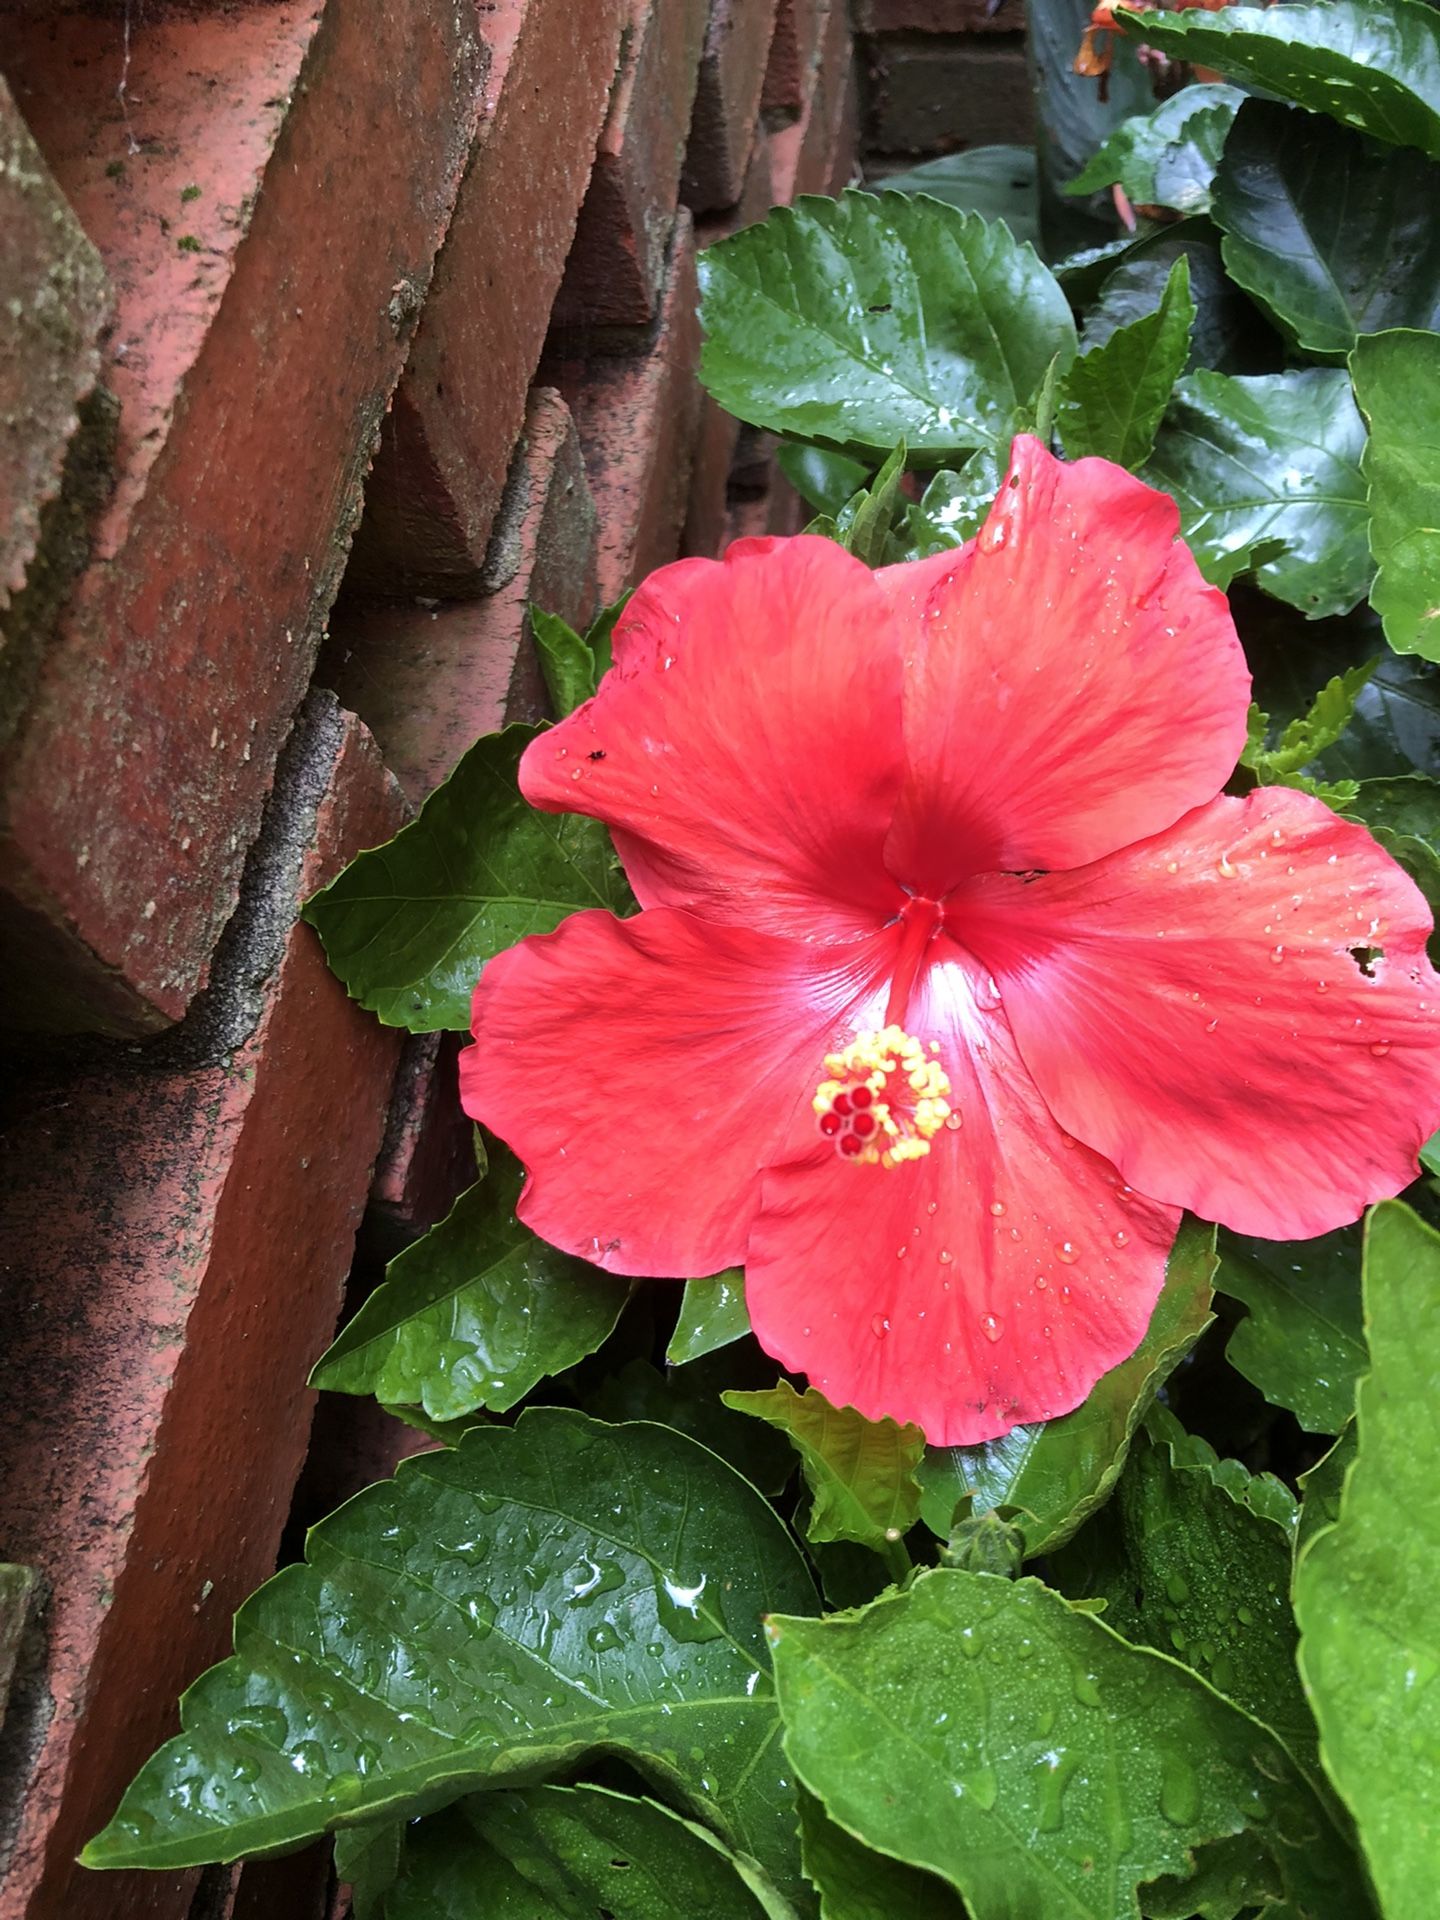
(208, 182)
(429, 677)
(427, 1157)
(613, 274)
(816, 154)
(757, 196)
(186, 1214)
(53, 419)
(792, 51)
(727, 102)
(445, 447)
(777, 509)
(939, 16)
(637, 416)
(707, 511)
(930, 95)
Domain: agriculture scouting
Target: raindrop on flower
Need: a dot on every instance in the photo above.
(1379, 1048)
(990, 1327)
(997, 1207)
(1066, 1253)
(880, 1326)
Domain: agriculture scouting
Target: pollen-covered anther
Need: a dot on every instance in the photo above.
(883, 1100)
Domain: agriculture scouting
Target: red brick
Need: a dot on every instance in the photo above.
(637, 415)
(817, 153)
(186, 1219)
(429, 678)
(707, 512)
(137, 777)
(939, 16)
(792, 51)
(445, 448)
(727, 102)
(58, 303)
(615, 265)
(757, 196)
(779, 509)
(427, 1158)
(935, 95)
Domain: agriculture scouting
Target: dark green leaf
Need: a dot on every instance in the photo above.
(1276, 457)
(1397, 382)
(712, 1314)
(1262, 1493)
(476, 1313)
(409, 926)
(1300, 1342)
(823, 480)
(861, 1472)
(984, 1730)
(1322, 1487)
(1365, 1588)
(492, 1615)
(953, 506)
(864, 522)
(1404, 816)
(1056, 1474)
(1114, 396)
(1395, 728)
(1231, 1877)
(1309, 733)
(1334, 236)
(1073, 115)
(998, 183)
(367, 1859)
(1372, 67)
(1166, 158)
(573, 1853)
(688, 1399)
(1185, 1567)
(566, 662)
(860, 321)
(856, 1884)
(1227, 336)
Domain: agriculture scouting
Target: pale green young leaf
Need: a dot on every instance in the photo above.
(1114, 397)
(1397, 383)
(1166, 158)
(712, 1315)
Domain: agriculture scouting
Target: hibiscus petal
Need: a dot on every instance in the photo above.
(746, 747)
(1204, 1009)
(990, 1283)
(643, 1070)
(1073, 684)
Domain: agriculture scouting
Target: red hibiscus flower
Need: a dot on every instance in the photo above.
(954, 981)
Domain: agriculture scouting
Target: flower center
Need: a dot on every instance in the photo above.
(884, 1098)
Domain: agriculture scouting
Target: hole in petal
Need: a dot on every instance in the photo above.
(1365, 958)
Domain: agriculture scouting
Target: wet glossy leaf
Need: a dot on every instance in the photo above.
(1397, 383)
(1074, 115)
(476, 1313)
(1056, 1474)
(1300, 1342)
(1166, 158)
(1114, 396)
(1322, 1487)
(566, 663)
(1227, 335)
(856, 1884)
(367, 1859)
(862, 321)
(1274, 457)
(490, 1616)
(861, 1473)
(1334, 236)
(998, 183)
(572, 1853)
(712, 1314)
(1184, 1566)
(1365, 1588)
(1372, 67)
(1262, 1493)
(1231, 1877)
(1309, 733)
(824, 480)
(688, 1398)
(409, 926)
(984, 1730)
(1404, 816)
(953, 505)
(863, 525)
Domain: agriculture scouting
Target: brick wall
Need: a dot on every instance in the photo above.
(341, 332)
(335, 333)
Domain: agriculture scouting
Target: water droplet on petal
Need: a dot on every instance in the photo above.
(1121, 1239)
(1211, 1026)
(990, 1327)
(1277, 954)
(997, 1207)
(953, 1122)
(945, 1256)
(1066, 1253)
(1379, 1048)
(1226, 871)
(1172, 866)
(879, 1326)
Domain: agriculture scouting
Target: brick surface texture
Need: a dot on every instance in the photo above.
(335, 337)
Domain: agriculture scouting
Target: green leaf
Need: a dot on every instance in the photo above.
(1184, 1566)
(1055, 1475)
(1114, 397)
(1262, 1493)
(954, 505)
(1395, 729)
(1365, 1588)
(1322, 1488)
(688, 1398)
(476, 1313)
(1334, 237)
(856, 1884)
(712, 1314)
(986, 1731)
(1397, 383)
(864, 522)
(1300, 1342)
(1232, 1876)
(1073, 115)
(409, 926)
(367, 1860)
(861, 1472)
(566, 663)
(1404, 816)
(859, 322)
(998, 183)
(1276, 457)
(572, 1853)
(1320, 726)
(1376, 68)
(1166, 158)
(1227, 334)
(492, 1615)
(823, 480)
